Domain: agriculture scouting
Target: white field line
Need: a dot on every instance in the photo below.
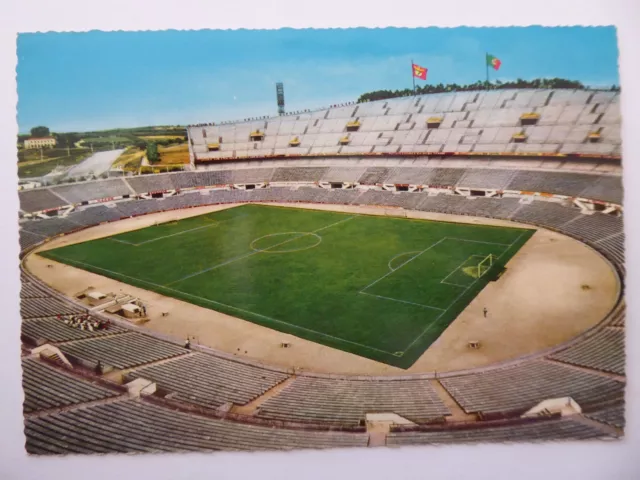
(453, 284)
(250, 254)
(400, 301)
(478, 241)
(222, 304)
(401, 265)
(458, 297)
(399, 255)
(458, 268)
(214, 224)
(122, 241)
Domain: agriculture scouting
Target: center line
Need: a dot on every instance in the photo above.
(250, 254)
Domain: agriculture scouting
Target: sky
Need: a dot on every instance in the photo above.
(100, 80)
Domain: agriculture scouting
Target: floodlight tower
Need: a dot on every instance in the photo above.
(280, 96)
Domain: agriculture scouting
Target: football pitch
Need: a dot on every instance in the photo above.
(381, 287)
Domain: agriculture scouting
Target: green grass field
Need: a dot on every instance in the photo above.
(384, 288)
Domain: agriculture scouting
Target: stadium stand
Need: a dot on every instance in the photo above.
(603, 351)
(39, 199)
(521, 387)
(482, 121)
(195, 386)
(547, 214)
(52, 329)
(151, 183)
(46, 307)
(347, 401)
(210, 381)
(47, 387)
(135, 426)
(121, 351)
(80, 192)
(613, 416)
(531, 431)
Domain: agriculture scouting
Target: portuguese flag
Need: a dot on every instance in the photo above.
(493, 62)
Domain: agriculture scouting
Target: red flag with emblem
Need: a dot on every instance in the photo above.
(419, 72)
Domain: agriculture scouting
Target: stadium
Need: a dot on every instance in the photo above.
(434, 269)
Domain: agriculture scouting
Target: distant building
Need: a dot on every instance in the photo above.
(40, 142)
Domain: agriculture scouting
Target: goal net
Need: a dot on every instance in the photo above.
(485, 264)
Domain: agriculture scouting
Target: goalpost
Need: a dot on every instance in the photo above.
(485, 264)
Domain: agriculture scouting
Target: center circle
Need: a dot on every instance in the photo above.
(286, 243)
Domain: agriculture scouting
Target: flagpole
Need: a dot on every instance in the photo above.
(413, 77)
(486, 64)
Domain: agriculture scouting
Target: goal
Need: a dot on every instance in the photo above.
(485, 264)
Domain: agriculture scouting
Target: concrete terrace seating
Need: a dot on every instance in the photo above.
(94, 215)
(210, 381)
(481, 121)
(28, 239)
(613, 249)
(343, 174)
(251, 175)
(487, 207)
(46, 307)
(538, 430)
(186, 179)
(48, 387)
(215, 177)
(546, 214)
(348, 401)
(299, 174)
(606, 188)
(80, 192)
(613, 416)
(443, 203)
(135, 426)
(443, 176)
(518, 388)
(596, 227)
(486, 178)
(563, 183)
(121, 351)
(50, 329)
(32, 290)
(604, 350)
(39, 199)
(151, 183)
(138, 207)
(374, 175)
(50, 227)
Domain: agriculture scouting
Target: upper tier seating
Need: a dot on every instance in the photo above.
(481, 121)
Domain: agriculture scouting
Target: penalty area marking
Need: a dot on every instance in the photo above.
(509, 246)
(290, 250)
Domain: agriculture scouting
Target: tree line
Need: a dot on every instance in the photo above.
(542, 83)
